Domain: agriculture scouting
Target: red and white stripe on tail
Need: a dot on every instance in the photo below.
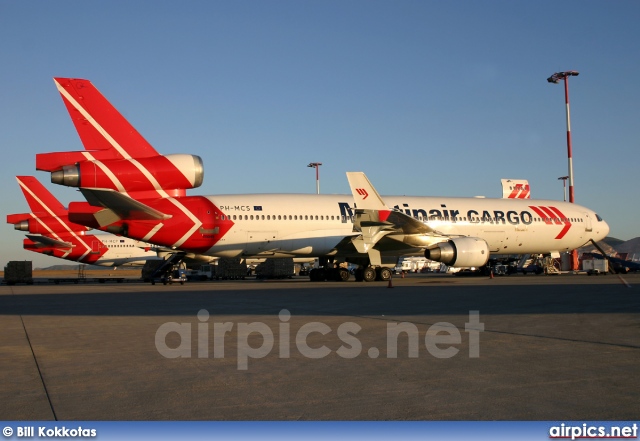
(515, 189)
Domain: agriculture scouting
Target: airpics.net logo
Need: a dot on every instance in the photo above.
(174, 340)
(591, 431)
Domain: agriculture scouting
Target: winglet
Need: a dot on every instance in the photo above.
(365, 196)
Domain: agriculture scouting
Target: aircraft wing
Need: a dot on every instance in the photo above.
(123, 206)
(407, 224)
(49, 242)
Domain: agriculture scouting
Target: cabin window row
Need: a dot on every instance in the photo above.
(285, 217)
(492, 219)
(351, 218)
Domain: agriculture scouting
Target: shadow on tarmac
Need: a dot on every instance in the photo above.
(348, 299)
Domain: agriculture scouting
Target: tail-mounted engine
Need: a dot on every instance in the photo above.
(43, 224)
(460, 252)
(141, 177)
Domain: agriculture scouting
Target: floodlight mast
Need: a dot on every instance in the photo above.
(555, 79)
(564, 186)
(316, 165)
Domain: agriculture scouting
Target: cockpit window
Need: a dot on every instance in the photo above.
(599, 218)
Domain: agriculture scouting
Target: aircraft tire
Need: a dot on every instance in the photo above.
(369, 274)
(316, 275)
(385, 274)
(342, 275)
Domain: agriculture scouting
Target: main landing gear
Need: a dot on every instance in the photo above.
(322, 274)
(370, 274)
(364, 272)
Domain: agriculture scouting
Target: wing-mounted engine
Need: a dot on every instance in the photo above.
(141, 178)
(460, 252)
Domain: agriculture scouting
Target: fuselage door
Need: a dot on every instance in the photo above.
(95, 247)
(587, 222)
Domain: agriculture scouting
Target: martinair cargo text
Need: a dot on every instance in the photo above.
(134, 191)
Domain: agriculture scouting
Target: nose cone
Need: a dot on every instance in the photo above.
(605, 229)
(601, 230)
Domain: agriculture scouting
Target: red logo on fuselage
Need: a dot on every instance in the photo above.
(550, 216)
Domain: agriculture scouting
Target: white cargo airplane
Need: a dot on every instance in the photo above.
(365, 229)
(134, 191)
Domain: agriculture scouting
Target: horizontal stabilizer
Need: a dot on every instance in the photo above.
(123, 206)
(49, 242)
(18, 217)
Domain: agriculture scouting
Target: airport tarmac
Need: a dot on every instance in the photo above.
(552, 348)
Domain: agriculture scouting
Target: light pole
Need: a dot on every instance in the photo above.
(564, 186)
(316, 165)
(555, 79)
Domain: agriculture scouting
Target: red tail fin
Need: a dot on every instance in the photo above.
(99, 124)
(48, 216)
(40, 199)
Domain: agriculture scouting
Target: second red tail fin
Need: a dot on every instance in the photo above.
(48, 216)
(40, 199)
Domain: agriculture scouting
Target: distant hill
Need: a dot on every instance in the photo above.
(613, 242)
(611, 245)
(631, 246)
(590, 248)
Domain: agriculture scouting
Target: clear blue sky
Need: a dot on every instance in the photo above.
(426, 97)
